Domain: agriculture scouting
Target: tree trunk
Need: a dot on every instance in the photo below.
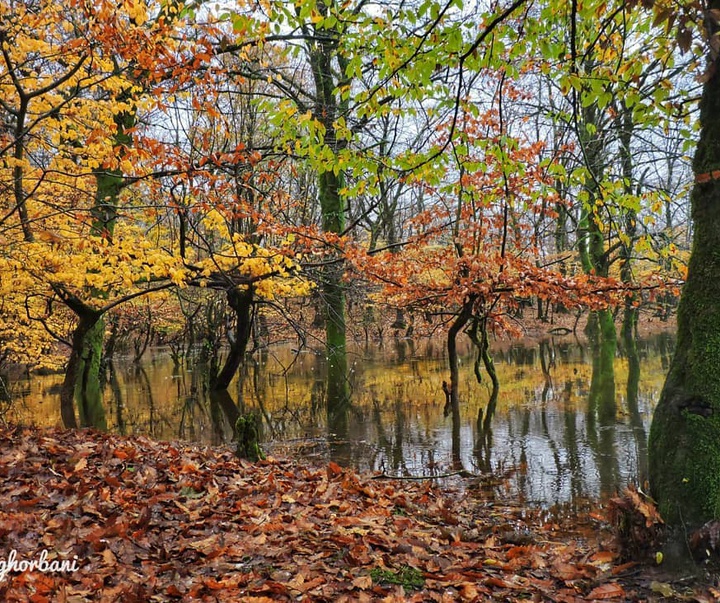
(328, 106)
(241, 303)
(88, 387)
(82, 377)
(454, 392)
(75, 371)
(685, 431)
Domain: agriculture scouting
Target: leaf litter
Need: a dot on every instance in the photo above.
(167, 521)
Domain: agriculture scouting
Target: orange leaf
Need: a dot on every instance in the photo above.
(619, 569)
(333, 469)
(603, 557)
(173, 591)
(213, 584)
(497, 582)
(607, 591)
(518, 551)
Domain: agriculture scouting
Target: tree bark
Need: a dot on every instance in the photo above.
(460, 321)
(685, 432)
(241, 303)
(74, 373)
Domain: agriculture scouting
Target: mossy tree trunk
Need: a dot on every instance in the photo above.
(334, 296)
(685, 432)
(88, 385)
(625, 127)
(75, 372)
(602, 406)
(247, 431)
(328, 69)
(595, 259)
(82, 376)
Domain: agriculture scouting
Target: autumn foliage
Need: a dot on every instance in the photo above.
(145, 149)
(98, 206)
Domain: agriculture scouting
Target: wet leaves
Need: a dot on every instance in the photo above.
(154, 521)
(637, 523)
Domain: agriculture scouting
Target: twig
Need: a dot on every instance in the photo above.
(461, 473)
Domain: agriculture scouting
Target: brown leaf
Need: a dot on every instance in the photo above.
(469, 592)
(206, 546)
(109, 557)
(607, 591)
(362, 582)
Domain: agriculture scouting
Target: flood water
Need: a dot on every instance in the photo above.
(554, 439)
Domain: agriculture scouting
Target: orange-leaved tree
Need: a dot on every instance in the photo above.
(475, 255)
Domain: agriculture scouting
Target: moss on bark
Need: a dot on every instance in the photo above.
(685, 431)
(88, 388)
(247, 432)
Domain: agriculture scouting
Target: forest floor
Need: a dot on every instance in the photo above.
(138, 520)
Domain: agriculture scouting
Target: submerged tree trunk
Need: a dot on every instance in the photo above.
(74, 372)
(88, 385)
(479, 336)
(452, 403)
(241, 303)
(602, 406)
(636, 418)
(603, 339)
(685, 431)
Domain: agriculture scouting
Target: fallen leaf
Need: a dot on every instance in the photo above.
(109, 557)
(362, 582)
(666, 590)
(607, 591)
(243, 542)
(333, 469)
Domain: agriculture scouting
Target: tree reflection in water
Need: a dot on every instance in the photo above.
(570, 419)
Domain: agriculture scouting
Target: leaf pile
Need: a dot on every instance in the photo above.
(158, 521)
(637, 522)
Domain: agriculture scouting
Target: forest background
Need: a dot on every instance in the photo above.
(198, 175)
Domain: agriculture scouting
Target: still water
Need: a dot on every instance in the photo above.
(551, 438)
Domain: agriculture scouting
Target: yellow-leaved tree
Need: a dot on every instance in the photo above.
(89, 217)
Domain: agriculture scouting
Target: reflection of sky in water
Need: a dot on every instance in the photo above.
(551, 456)
(545, 437)
(543, 433)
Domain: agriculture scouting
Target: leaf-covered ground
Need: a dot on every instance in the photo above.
(157, 521)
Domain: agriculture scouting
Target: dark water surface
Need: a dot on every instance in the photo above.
(557, 438)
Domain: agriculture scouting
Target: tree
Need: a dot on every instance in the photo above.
(473, 259)
(685, 431)
(67, 84)
(86, 224)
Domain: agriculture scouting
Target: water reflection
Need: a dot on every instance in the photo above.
(565, 426)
